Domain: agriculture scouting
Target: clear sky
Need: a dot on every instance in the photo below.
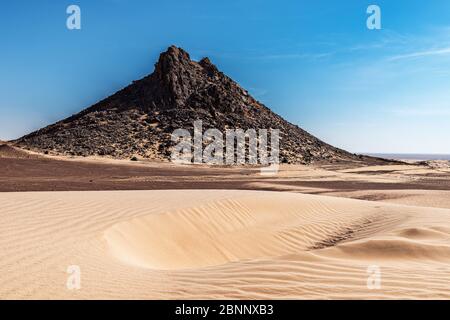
(313, 62)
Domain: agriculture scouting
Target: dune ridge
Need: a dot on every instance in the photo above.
(245, 228)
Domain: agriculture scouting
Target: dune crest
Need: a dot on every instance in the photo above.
(244, 228)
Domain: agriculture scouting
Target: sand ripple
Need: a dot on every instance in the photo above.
(219, 244)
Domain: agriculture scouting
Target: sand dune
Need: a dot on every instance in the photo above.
(256, 226)
(219, 244)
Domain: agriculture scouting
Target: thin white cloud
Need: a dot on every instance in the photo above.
(419, 54)
(388, 39)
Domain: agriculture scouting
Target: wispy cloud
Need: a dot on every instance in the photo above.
(419, 54)
(387, 39)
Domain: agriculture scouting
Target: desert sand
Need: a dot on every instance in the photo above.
(219, 244)
(310, 232)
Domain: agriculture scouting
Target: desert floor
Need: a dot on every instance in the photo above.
(154, 230)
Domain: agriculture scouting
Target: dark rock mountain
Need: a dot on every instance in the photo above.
(139, 119)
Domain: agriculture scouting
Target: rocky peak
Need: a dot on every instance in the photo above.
(175, 77)
(139, 119)
(210, 69)
(172, 59)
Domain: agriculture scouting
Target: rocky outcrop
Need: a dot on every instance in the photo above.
(139, 119)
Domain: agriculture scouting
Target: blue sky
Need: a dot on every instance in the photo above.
(313, 62)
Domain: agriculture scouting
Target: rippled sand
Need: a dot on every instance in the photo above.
(220, 244)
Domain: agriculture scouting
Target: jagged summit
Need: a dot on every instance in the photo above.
(139, 119)
(171, 58)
